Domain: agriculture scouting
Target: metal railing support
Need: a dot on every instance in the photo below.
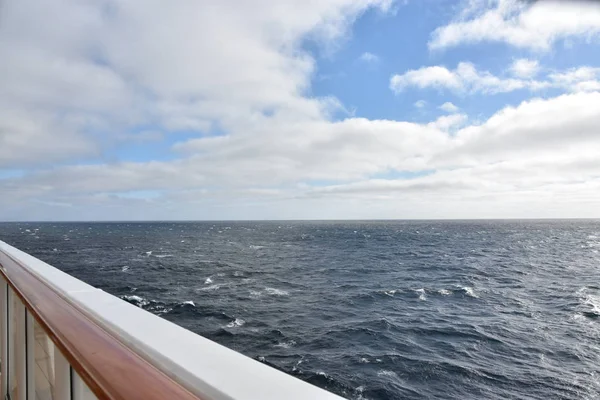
(30, 352)
(4, 337)
(62, 377)
(77, 387)
(21, 350)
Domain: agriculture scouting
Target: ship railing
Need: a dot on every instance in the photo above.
(62, 339)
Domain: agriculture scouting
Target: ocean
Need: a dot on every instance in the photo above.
(368, 309)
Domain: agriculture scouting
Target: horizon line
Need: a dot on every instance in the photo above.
(309, 220)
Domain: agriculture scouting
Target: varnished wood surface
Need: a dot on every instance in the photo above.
(110, 369)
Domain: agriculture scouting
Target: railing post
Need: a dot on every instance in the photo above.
(30, 351)
(77, 386)
(62, 377)
(4, 338)
(10, 339)
(21, 350)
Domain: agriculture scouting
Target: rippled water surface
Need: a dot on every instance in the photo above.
(368, 310)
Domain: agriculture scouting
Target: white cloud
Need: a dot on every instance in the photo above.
(25, 139)
(524, 68)
(109, 66)
(534, 160)
(437, 76)
(448, 107)
(447, 122)
(563, 127)
(466, 79)
(280, 155)
(578, 79)
(534, 25)
(420, 104)
(369, 58)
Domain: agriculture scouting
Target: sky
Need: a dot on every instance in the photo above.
(299, 109)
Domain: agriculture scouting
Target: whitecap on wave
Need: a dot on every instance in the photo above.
(236, 323)
(269, 292)
(286, 345)
(160, 309)
(276, 292)
(385, 372)
(594, 303)
(359, 391)
(208, 281)
(189, 303)
(209, 288)
(589, 303)
(135, 300)
(421, 293)
(469, 291)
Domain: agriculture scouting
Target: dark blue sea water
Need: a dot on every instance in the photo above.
(368, 310)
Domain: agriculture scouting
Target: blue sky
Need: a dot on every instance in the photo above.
(399, 41)
(292, 109)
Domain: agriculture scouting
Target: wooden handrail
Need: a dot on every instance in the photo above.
(111, 370)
